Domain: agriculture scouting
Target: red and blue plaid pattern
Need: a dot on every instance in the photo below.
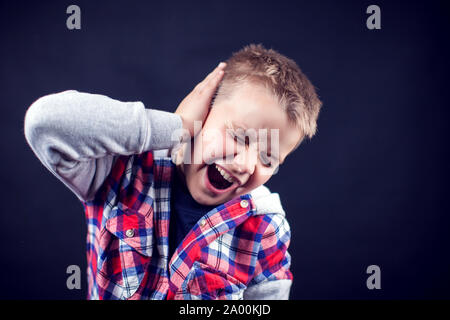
(230, 249)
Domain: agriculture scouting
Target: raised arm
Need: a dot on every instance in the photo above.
(77, 136)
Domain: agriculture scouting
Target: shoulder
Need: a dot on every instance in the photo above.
(274, 237)
(272, 223)
(266, 202)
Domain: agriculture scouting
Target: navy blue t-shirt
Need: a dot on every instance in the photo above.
(184, 212)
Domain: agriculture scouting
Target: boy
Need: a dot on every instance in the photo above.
(227, 237)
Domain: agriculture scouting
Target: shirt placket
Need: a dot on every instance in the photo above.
(209, 228)
(163, 171)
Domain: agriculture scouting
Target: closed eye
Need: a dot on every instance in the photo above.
(265, 159)
(240, 138)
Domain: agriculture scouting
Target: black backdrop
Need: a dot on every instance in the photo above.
(370, 188)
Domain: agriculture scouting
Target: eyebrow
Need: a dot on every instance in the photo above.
(234, 125)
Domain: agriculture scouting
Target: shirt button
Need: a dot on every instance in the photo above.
(244, 203)
(129, 233)
(202, 223)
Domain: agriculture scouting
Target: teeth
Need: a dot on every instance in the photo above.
(225, 175)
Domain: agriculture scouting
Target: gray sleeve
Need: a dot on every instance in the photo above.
(78, 136)
(269, 290)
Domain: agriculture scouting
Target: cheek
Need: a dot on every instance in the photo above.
(259, 178)
(192, 171)
(255, 181)
(193, 176)
(214, 145)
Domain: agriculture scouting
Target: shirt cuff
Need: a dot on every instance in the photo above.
(165, 130)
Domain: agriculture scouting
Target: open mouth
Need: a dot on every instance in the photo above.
(219, 178)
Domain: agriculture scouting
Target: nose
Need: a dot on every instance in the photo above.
(245, 161)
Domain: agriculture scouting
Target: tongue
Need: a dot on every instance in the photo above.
(216, 178)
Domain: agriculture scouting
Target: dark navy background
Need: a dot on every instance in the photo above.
(370, 188)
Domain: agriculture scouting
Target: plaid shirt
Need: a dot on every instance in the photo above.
(233, 248)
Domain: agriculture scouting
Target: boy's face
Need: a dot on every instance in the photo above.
(225, 162)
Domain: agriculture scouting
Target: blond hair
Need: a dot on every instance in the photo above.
(281, 76)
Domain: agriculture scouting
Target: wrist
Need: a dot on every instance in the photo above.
(186, 132)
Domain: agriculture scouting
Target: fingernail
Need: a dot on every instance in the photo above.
(222, 64)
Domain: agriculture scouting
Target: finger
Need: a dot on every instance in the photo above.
(212, 75)
(214, 82)
(211, 83)
(221, 66)
(211, 87)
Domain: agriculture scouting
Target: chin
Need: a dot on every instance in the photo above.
(204, 199)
